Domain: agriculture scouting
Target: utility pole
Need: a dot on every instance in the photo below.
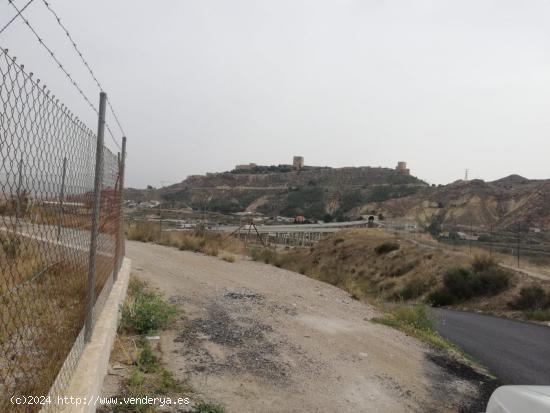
(518, 241)
(491, 241)
(471, 236)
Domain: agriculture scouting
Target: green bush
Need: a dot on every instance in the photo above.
(136, 286)
(440, 298)
(461, 284)
(206, 407)
(414, 289)
(483, 263)
(146, 312)
(531, 298)
(538, 315)
(386, 247)
(490, 282)
(458, 282)
(147, 361)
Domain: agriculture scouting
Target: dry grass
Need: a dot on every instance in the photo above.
(197, 241)
(42, 310)
(410, 273)
(537, 264)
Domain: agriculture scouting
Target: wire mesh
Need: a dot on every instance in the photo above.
(46, 193)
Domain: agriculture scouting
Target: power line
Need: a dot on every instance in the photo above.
(15, 17)
(84, 61)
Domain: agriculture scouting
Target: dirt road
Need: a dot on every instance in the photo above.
(263, 339)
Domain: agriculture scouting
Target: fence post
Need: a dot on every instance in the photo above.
(119, 253)
(61, 197)
(160, 224)
(18, 193)
(98, 180)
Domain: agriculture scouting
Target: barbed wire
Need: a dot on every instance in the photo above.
(62, 68)
(15, 17)
(56, 60)
(84, 61)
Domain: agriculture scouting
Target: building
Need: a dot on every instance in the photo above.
(245, 167)
(401, 168)
(298, 162)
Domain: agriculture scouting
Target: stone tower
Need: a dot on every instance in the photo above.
(298, 162)
(401, 168)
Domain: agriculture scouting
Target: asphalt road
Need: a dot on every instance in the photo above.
(516, 352)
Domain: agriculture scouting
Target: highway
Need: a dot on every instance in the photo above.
(516, 352)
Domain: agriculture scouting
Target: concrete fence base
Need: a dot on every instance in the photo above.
(87, 380)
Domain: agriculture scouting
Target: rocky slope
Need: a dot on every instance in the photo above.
(313, 192)
(346, 193)
(503, 204)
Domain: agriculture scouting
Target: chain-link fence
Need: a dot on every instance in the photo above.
(47, 207)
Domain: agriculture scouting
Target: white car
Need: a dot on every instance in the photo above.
(520, 399)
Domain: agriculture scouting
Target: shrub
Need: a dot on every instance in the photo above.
(147, 361)
(136, 286)
(167, 383)
(490, 282)
(228, 258)
(416, 322)
(205, 407)
(404, 269)
(190, 243)
(538, 315)
(531, 298)
(263, 254)
(136, 379)
(416, 317)
(386, 247)
(457, 281)
(11, 246)
(143, 232)
(146, 312)
(461, 284)
(483, 263)
(414, 289)
(440, 298)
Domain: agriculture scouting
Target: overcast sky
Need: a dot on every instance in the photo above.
(201, 85)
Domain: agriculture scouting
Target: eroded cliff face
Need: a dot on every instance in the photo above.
(351, 192)
(503, 204)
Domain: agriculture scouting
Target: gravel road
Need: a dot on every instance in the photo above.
(263, 339)
(516, 352)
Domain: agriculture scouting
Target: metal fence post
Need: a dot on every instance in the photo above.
(18, 193)
(119, 253)
(98, 180)
(61, 197)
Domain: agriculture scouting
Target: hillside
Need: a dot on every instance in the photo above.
(347, 193)
(503, 204)
(313, 192)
